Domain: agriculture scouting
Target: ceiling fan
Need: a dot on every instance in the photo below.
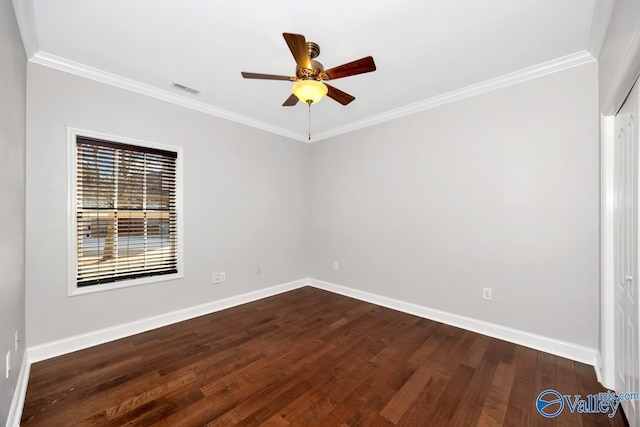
(310, 75)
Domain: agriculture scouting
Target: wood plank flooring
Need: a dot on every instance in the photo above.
(306, 357)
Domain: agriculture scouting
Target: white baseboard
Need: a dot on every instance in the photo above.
(549, 345)
(15, 411)
(79, 342)
(599, 371)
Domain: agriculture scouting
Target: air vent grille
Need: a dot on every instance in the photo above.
(186, 88)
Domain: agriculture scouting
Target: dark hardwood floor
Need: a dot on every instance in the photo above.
(306, 357)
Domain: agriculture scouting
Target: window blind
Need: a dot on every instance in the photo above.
(125, 211)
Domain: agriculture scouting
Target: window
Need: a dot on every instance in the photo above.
(125, 215)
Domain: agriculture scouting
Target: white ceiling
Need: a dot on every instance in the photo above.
(426, 51)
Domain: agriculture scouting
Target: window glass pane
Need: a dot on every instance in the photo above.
(131, 173)
(97, 177)
(126, 212)
(159, 182)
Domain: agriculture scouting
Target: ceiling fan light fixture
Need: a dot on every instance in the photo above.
(309, 91)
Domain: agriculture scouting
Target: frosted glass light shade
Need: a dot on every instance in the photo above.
(309, 91)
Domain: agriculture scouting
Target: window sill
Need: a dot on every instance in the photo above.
(74, 290)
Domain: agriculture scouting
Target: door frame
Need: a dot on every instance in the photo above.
(622, 84)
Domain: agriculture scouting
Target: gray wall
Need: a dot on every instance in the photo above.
(12, 194)
(500, 190)
(624, 23)
(245, 204)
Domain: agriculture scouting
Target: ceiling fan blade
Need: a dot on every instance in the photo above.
(291, 101)
(338, 95)
(298, 47)
(266, 76)
(359, 66)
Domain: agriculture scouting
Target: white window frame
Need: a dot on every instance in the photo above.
(73, 288)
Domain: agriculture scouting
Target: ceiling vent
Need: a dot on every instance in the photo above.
(186, 88)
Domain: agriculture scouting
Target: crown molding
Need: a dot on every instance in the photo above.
(27, 25)
(82, 70)
(572, 60)
(602, 10)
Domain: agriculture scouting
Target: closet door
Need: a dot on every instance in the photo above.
(626, 253)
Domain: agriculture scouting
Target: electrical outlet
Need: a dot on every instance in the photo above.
(216, 278)
(16, 341)
(8, 365)
(258, 270)
(336, 266)
(487, 293)
(223, 276)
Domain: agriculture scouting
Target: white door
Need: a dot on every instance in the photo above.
(626, 253)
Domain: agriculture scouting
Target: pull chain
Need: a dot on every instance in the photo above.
(309, 103)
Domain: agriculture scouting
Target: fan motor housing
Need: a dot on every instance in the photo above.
(316, 71)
